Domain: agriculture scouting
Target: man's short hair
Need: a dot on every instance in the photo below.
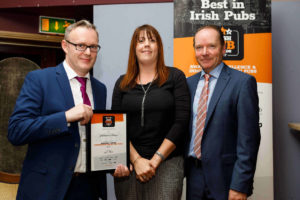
(81, 23)
(221, 36)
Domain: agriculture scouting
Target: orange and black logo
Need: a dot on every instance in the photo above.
(108, 121)
(234, 41)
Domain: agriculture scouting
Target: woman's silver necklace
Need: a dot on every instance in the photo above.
(143, 101)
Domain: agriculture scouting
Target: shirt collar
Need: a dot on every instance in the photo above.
(71, 73)
(215, 72)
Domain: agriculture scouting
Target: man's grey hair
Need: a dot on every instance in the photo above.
(81, 23)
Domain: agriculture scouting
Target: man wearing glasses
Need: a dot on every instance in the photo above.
(50, 116)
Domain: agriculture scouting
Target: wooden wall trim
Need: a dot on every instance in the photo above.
(30, 36)
(9, 178)
(30, 39)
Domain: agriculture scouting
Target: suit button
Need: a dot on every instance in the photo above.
(76, 145)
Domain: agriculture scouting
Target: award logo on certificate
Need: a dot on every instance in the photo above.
(107, 144)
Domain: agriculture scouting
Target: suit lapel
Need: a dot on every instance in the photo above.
(64, 84)
(194, 83)
(219, 88)
(95, 94)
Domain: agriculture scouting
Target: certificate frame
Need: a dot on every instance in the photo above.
(107, 141)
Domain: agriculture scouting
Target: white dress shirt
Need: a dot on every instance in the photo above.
(77, 97)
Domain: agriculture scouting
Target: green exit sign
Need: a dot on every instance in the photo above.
(54, 25)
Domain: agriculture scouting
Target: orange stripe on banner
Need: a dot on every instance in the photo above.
(257, 56)
(98, 117)
(184, 55)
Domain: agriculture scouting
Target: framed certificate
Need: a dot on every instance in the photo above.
(107, 144)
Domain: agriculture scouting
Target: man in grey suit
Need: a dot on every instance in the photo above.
(224, 129)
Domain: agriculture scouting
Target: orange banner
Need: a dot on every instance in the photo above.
(256, 61)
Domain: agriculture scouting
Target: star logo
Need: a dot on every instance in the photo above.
(228, 31)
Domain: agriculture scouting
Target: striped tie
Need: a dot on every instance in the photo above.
(201, 116)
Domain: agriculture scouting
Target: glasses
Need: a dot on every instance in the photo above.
(83, 47)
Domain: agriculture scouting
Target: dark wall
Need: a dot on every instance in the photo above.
(34, 3)
(286, 98)
(27, 19)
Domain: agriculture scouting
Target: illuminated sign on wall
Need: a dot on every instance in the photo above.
(54, 25)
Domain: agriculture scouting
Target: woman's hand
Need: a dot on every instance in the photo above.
(144, 171)
(155, 161)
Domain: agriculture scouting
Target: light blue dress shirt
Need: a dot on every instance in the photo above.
(215, 73)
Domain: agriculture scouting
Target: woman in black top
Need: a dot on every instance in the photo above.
(157, 100)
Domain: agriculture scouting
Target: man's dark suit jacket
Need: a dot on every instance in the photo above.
(39, 121)
(231, 134)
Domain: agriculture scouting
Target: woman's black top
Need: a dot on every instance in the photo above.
(166, 113)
